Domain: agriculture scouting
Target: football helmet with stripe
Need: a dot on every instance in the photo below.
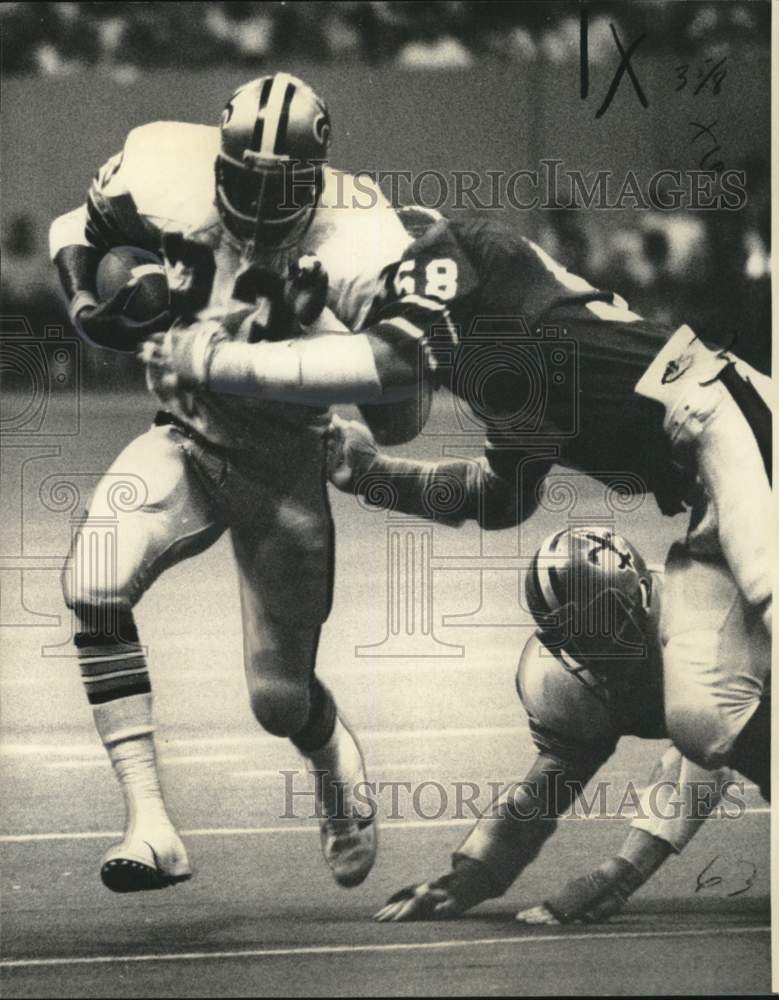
(275, 135)
(591, 595)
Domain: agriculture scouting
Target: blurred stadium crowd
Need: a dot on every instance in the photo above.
(125, 38)
(709, 269)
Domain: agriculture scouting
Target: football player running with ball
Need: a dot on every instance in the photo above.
(560, 372)
(238, 211)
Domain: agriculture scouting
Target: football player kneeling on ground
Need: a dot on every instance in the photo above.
(591, 674)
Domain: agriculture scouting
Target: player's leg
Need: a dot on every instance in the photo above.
(716, 659)
(285, 562)
(717, 598)
(159, 514)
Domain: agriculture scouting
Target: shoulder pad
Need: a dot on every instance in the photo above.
(168, 168)
(357, 235)
(559, 700)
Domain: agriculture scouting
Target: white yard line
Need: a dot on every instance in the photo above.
(92, 749)
(252, 831)
(313, 951)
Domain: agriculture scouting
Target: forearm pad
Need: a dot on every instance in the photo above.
(318, 371)
(448, 491)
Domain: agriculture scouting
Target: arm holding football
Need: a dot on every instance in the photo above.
(77, 241)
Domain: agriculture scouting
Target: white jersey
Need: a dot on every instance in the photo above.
(163, 181)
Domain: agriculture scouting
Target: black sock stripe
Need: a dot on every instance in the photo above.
(100, 697)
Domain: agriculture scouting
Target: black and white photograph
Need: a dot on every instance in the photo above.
(388, 535)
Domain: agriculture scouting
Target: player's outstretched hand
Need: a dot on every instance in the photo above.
(351, 451)
(592, 898)
(419, 902)
(107, 325)
(305, 288)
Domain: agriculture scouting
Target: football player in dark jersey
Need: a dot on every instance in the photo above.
(590, 674)
(559, 371)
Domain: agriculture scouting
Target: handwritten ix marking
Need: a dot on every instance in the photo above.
(624, 66)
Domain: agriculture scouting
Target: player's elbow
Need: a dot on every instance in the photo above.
(68, 230)
(397, 423)
(502, 510)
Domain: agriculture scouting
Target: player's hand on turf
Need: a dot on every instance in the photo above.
(351, 451)
(591, 898)
(537, 915)
(107, 325)
(305, 288)
(419, 902)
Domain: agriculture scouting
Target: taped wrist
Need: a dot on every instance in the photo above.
(606, 888)
(319, 371)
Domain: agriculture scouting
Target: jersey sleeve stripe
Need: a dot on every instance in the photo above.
(405, 326)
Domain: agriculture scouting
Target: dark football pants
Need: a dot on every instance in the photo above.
(279, 520)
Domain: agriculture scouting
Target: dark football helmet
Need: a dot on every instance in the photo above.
(591, 595)
(275, 134)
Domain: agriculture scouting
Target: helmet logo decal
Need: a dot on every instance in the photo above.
(321, 128)
(606, 542)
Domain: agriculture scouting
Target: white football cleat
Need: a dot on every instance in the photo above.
(136, 864)
(348, 836)
(349, 848)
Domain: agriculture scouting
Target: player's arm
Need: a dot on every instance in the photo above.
(77, 241)
(679, 797)
(380, 365)
(506, 839)
(498, 490)
(389, 358)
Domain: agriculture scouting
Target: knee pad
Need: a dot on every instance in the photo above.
(281, 707)
(95, 587)
(700, 733)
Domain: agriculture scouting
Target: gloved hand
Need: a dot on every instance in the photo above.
(106, 324)
(351, 451)
(305, 288)
(591, 898)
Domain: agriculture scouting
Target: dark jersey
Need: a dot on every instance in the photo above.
(540, 356)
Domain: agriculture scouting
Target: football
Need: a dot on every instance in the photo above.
(122, 265)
